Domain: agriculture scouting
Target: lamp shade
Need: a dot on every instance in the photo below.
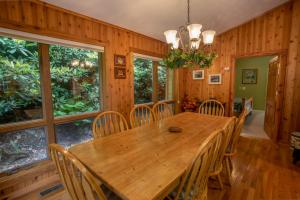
(170, 36)
(208, 36)
(195, 44)
(194, 30)
(175, 43)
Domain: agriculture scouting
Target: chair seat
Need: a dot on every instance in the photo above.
(109, 194)
(182, 195)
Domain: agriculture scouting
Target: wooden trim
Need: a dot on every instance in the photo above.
(22, 125)
(148, 53)
(71, 118)
(154, 81)
(46, 90)
(102, 79)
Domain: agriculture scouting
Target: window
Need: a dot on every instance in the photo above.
(20, 148)
(20, 89)
(75, 80)
(143, 78)
(152, 80)
(68, 98)
(162, 82)
(74, 132)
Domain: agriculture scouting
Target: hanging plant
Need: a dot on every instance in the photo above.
(177, 58)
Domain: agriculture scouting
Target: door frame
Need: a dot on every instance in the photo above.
(283, 54)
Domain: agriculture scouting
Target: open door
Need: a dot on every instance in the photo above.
(274, 96)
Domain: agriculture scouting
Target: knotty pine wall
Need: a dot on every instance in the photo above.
(41, 18)
(268, 34)
(36, 17)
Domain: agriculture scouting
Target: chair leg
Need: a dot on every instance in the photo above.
(220, 181)
(230, 164)
(228, 170)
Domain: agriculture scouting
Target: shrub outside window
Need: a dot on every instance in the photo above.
(20, 87)
(75, 80)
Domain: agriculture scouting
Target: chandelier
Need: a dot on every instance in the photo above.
(188, 37)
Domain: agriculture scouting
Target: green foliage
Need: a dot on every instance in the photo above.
(75, 85)
(177, 58)
(142, 81)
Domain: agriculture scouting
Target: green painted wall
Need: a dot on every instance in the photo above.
(257, 91)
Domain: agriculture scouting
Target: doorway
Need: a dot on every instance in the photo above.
(257, 80)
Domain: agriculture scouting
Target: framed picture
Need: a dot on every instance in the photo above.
(120, 60)
(120, 73)
(198, 74)
(215, 79)
(249, 76)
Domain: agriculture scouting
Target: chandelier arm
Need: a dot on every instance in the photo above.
(181, 39)
(188, 11)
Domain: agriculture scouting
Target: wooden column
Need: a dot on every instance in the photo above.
(46, 90)
(291, 94)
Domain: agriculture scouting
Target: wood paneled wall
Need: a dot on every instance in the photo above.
(41, 18)
(36, 17)
(268, 34)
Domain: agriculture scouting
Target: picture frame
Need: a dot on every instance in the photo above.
(215, 79)
(120, 73)
(198, 74)
(249, 76)
(119, 60)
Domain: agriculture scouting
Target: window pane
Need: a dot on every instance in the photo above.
(73, 133)
(20, 91)
(22, 148)
(75, 80)
(162, 83)
(142, 80)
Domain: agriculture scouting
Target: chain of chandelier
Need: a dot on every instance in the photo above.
(176, 38)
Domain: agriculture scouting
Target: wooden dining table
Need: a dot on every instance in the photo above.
(144, 163)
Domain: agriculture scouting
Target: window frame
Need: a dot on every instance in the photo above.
(48, 120)
(169, 93)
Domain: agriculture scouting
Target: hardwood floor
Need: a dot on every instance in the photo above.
(262, 170)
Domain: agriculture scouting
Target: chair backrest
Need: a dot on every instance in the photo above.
(77, 180)
(193, 183)
(227, 133)
(109, 122)
(162, 111)
(232, 146)
(141, 115)
(211, 107)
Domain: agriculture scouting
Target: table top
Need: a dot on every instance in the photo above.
(142, 163)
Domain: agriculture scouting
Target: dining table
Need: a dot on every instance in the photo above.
(146, 163)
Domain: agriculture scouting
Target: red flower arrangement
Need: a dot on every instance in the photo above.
(189, 104)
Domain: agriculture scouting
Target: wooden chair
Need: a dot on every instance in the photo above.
(141, 115)
(232, 146)
(162, 111)
(217, 167)
(193, 183)
(77, 180)
(109, 122)
(211, 107)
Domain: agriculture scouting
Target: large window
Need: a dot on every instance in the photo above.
(48, 93)
(20, 89)
(75, 80)
(152, 80)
